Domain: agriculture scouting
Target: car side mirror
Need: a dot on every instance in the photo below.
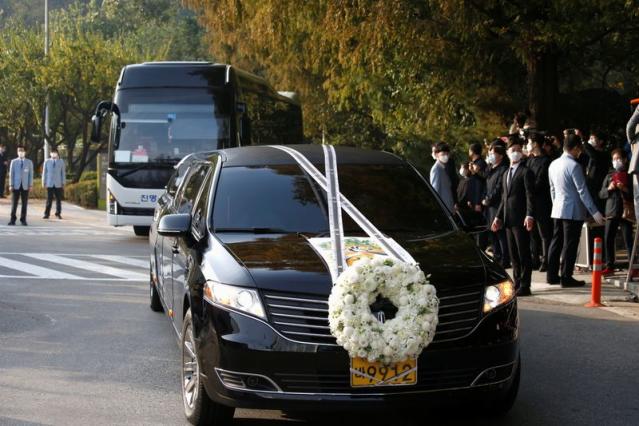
(472, 221)
(174, 225)
(96, 128)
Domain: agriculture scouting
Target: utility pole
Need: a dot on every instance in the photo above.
(46, 54)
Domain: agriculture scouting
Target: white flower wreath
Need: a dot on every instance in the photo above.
(359, 332)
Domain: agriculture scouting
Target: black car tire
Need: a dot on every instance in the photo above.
(156, 304)
(201, 410)
(141, 231)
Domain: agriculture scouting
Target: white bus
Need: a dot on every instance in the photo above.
(163, 111)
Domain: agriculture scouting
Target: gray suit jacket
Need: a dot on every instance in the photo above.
(441, 182)
(570, 196)
(21, 174)
(53, 173)
(631, 133)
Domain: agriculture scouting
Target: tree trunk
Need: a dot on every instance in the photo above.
(543, 89)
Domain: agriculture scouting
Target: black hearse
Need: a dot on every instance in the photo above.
(232, 266)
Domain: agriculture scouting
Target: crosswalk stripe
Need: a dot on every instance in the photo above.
(122, 259)
(38, 271)
(89, 266)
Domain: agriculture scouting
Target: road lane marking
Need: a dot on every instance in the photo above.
(38, 271)
(122, 259)
(88, 266)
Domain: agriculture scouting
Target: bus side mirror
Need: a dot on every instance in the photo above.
(96, 128)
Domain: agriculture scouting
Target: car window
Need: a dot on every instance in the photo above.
(190, 189)
(393, 197)
(176, 179)
(198, 224)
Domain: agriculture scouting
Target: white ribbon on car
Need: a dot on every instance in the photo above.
(338, 202)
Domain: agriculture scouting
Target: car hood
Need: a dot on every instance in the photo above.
(290, 263)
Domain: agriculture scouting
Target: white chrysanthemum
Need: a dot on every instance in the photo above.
(359, 331)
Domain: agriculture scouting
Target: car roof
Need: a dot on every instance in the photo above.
(268, 155)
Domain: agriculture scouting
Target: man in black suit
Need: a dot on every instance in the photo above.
(515, 213)
(538, 163)
(4, 163)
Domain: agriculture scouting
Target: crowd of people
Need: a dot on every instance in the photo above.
(535, 191)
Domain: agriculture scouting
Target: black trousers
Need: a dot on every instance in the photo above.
(57, 193)
(3, 178)
(23, 196)
(611, 233)
(500, 247)
(519, 246)
(564, 244)
(540, 238)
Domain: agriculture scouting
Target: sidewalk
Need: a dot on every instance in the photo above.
(615, 298)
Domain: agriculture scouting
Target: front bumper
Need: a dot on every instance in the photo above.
(246, 363)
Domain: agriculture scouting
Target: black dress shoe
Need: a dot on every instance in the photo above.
(46, 216)
(13, 222)
(58, 216)
(543, 268)
(571, 282)
(523, 292)
(23, 222)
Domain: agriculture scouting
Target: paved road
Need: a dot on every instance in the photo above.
(79, 345)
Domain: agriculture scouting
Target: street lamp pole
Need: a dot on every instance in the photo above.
(46, 54)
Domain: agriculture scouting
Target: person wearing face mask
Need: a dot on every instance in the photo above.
(616, 190)
(494, 190)
(571, 203)
(538, 163)
(598, 164)
(53, 179)
(451, 169)
(20, 183)
(3, 169)
(515, 213)
(439, 178)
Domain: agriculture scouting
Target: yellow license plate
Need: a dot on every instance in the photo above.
(364, 373)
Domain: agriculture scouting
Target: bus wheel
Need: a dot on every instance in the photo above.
(141, 231)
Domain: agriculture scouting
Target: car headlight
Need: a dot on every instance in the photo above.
(239, 298)
(498, 294)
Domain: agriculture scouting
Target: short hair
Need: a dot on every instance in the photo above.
(52, 150)
(514, 140)
(538, 138)
(499, 149)
(441, 147)
(475, 148)
(572, 141)
(19, 147)
(623, 154)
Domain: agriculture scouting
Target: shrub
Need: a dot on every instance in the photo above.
(83, 193)
(89, 176)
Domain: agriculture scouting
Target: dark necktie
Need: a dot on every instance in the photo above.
(510, 176)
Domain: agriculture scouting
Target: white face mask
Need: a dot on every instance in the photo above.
(21, 154)
(592, 141)
(443, 158)
(490, 159)
(515, 156)
(617, 164)
(463, 172)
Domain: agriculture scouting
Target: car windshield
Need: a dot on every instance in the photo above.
(164, 125)
(283, 198)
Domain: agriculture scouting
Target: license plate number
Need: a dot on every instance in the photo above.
(366, 374)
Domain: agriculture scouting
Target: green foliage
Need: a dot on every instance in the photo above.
(83, 193)
(89, 176)
(90, 43)
(400, 74)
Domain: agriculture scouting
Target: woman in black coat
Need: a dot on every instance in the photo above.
(617, 191)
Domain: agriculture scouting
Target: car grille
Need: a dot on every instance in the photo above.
(304, 317)
(340, 382)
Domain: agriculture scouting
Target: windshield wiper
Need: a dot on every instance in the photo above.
(255, 230)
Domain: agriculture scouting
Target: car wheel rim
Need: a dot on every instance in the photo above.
(190, 369)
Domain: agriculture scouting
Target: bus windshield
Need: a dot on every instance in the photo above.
(164, 125)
